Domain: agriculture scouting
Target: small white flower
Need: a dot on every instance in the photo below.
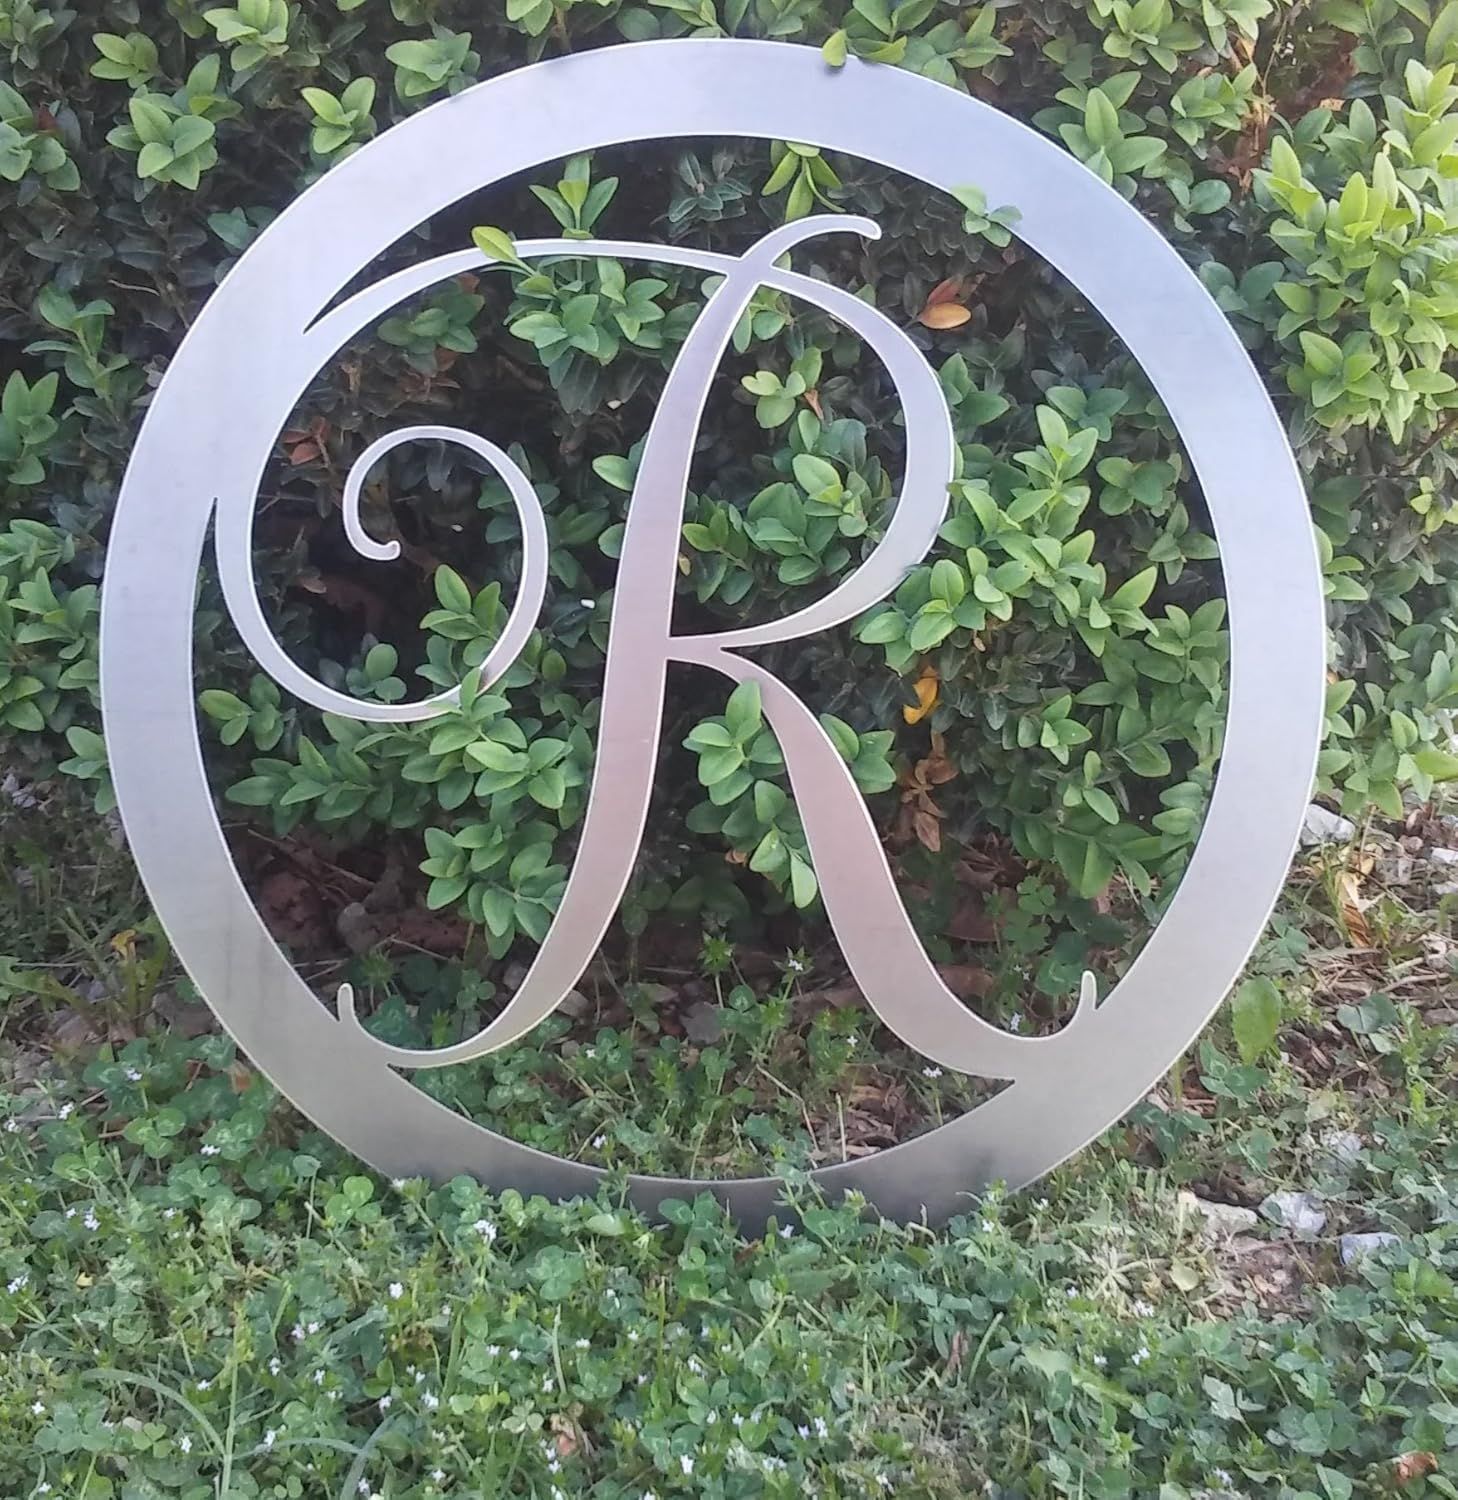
(203, 1385)
(584, 1344)
(1100, 1361)
(1223, 1479)
(65, 1111)
(184, 1443)
(649, 1495)
(987, 1226)
(555, 1467)
(1015, 1021)
(396, 1291)
(802, 1432)
(274, 1366)
(430, 1401)
(1143, 1309)
(437, 1475)
(386, 1402)
(931, 1072)
(445, 1311)
(38, 1408)
(821, 1430)
(210, 1150)
(493, 1350)
(169, 1213)
(587, 603)
(318, 1377)
(642, 1379)
(686, 1463)
(1041, 1204)
(398, 1183)
(737, 1419)
(598, 1142)
(695, 1366)
(1070, 1291)
(795, 965)
(787, 1231)
(313, 1328)
(70, 1213)
(134, 1075)
(1141, 1354)
(298, 1333)
(549, 1385)
(364, 1486)
(19, 1284)
(712, 1417)
(633, 1335)
(486, 1229)
(11, 1126)
(270, 1438)
(589, 1051)
(91, 1221)
(513, 1354)
(43, 1488)
(884, 1480)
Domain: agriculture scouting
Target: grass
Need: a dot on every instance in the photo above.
(200, 1297)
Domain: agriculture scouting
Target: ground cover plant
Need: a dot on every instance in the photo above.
(1250, 1288)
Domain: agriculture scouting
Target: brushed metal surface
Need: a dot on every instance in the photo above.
(264, 335)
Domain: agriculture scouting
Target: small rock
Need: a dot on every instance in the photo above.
(515, 975)
(1322, 826)
(575, 1004)
(354, 926)
(16, 791)
(1447, 888)
(702, 1023)
(1344, 1146)
(1222, 1220)
(1441, 856)
(1299, 1212)
(1355, 1246)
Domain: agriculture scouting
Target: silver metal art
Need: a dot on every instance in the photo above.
(266, 333)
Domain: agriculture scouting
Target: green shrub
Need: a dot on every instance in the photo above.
(1052, 678)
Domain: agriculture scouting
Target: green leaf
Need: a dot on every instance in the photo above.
(496, 244)
(1255, 1017)
(451, 590)
(1440, 765)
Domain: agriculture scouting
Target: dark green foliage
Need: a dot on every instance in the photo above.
(1052, 678)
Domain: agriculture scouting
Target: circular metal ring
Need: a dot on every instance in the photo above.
(236, 375)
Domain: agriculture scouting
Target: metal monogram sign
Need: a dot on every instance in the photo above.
(277, 320)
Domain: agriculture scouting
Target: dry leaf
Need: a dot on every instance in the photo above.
(928, 830)
(1349, 891)
(926, 688)
(944, 315)
(1412, 1466)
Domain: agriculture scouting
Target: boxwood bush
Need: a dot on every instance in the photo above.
(1042, 699)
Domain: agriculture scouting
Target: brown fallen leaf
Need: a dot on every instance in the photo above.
(944, 315)
(1410, 1466)
(1349, 891)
